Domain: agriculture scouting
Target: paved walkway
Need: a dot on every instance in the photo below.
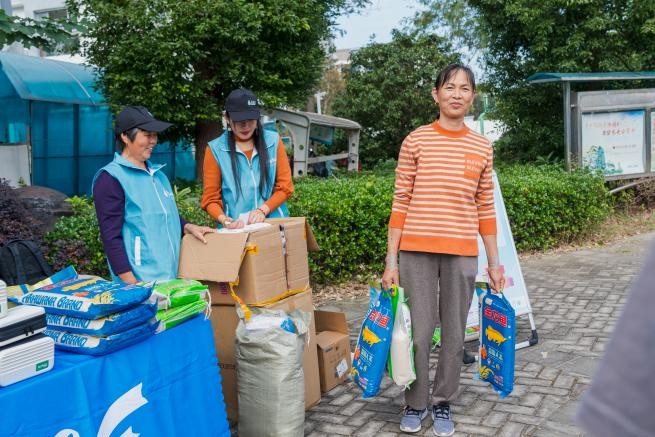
(576, 299)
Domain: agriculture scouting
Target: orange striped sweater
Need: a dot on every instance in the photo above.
(444, 191)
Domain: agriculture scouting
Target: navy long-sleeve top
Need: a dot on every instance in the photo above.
(109, 199)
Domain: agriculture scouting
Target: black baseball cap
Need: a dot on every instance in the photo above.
(138, 116)
(241, 104)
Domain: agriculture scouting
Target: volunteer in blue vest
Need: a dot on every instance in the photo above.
(246, 173)
(140, 226)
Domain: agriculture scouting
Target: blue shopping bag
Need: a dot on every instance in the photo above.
(373, 345)
(497, 340)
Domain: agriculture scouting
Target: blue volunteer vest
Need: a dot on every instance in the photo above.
(249, 198)
(151, 227)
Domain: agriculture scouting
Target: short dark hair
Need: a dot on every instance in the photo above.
(449, 71)
(131, 134)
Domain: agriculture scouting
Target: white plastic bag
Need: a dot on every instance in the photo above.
(401, 354)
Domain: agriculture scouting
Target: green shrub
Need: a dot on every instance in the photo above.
(75, 240)
(548, 206)
(349, 218)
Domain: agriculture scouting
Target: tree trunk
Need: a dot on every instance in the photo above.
(205, 132)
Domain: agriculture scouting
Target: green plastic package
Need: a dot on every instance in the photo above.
(174, 316)
(178, 292)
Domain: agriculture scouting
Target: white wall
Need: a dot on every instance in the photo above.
(26, 8)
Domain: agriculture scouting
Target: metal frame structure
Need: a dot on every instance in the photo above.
(566, 79)
(299, 124)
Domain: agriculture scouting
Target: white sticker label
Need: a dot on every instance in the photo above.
(342, 367)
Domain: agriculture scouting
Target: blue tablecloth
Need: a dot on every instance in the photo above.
(168, 385)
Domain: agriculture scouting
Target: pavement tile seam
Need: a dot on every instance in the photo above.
(575, 304)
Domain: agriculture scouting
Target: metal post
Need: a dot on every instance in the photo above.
(567, 122)
(76, 149)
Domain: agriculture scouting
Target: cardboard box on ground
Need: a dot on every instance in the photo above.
(334, 361)
(272, 270)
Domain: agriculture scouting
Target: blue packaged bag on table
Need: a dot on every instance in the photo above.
(497, 340)
(88, 298)
(373, 345)
(100, 345)
(108, 325)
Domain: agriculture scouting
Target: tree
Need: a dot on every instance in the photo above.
(45, 34)
(519, 38)
(182, 58)
(388, 90)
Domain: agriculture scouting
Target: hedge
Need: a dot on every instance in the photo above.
(546, 206)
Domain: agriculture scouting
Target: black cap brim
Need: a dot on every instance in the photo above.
(154, 126)
(244, 115)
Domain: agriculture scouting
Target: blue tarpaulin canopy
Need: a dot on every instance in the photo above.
(52, 116)
(41, 79)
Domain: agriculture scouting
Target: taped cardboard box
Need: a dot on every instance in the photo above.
(261, 271)
(333, 342)
(299, 239)
(229, 385)
(224, 323)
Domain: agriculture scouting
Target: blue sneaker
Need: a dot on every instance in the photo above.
(443, 424)
(411, 420)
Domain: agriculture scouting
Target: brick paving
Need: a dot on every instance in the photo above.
(576, 298)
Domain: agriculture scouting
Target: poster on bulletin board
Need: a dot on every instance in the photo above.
(614, 142)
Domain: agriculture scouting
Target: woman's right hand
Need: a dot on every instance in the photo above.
(233, 224)
(390, 277)
(128, 277)
(228, 223)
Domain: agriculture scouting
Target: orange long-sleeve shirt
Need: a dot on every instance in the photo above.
(212, 201)
(444, 191)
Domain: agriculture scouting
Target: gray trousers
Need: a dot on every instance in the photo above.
(439, 289)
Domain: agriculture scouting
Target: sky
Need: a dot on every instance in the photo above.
(378, 18)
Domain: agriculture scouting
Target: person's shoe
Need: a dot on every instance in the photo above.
(411, 420)
(443, 424)
(468, 357)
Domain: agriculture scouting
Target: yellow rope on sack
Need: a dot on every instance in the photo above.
(281, 296)
(246, 311)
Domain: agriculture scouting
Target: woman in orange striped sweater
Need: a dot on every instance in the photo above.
(443, 199)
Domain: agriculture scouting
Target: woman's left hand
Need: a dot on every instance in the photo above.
(496, 279)
(256, 216)
(198, 231)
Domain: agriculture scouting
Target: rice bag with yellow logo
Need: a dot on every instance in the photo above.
(373, 345)
(87, 298)
(497, 340)
(100, 345)
(108, 325)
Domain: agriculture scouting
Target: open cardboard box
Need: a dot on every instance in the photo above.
(267, 262)
(260, 272)
(224, 321)
(333, 343)
(299, 239)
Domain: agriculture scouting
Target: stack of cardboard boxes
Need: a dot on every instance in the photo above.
(270, 266)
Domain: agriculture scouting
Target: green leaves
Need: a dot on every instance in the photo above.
(49, 35)
(349, 217)
(517, 38)
(181, 58)
(388, 91)
(548, 206)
